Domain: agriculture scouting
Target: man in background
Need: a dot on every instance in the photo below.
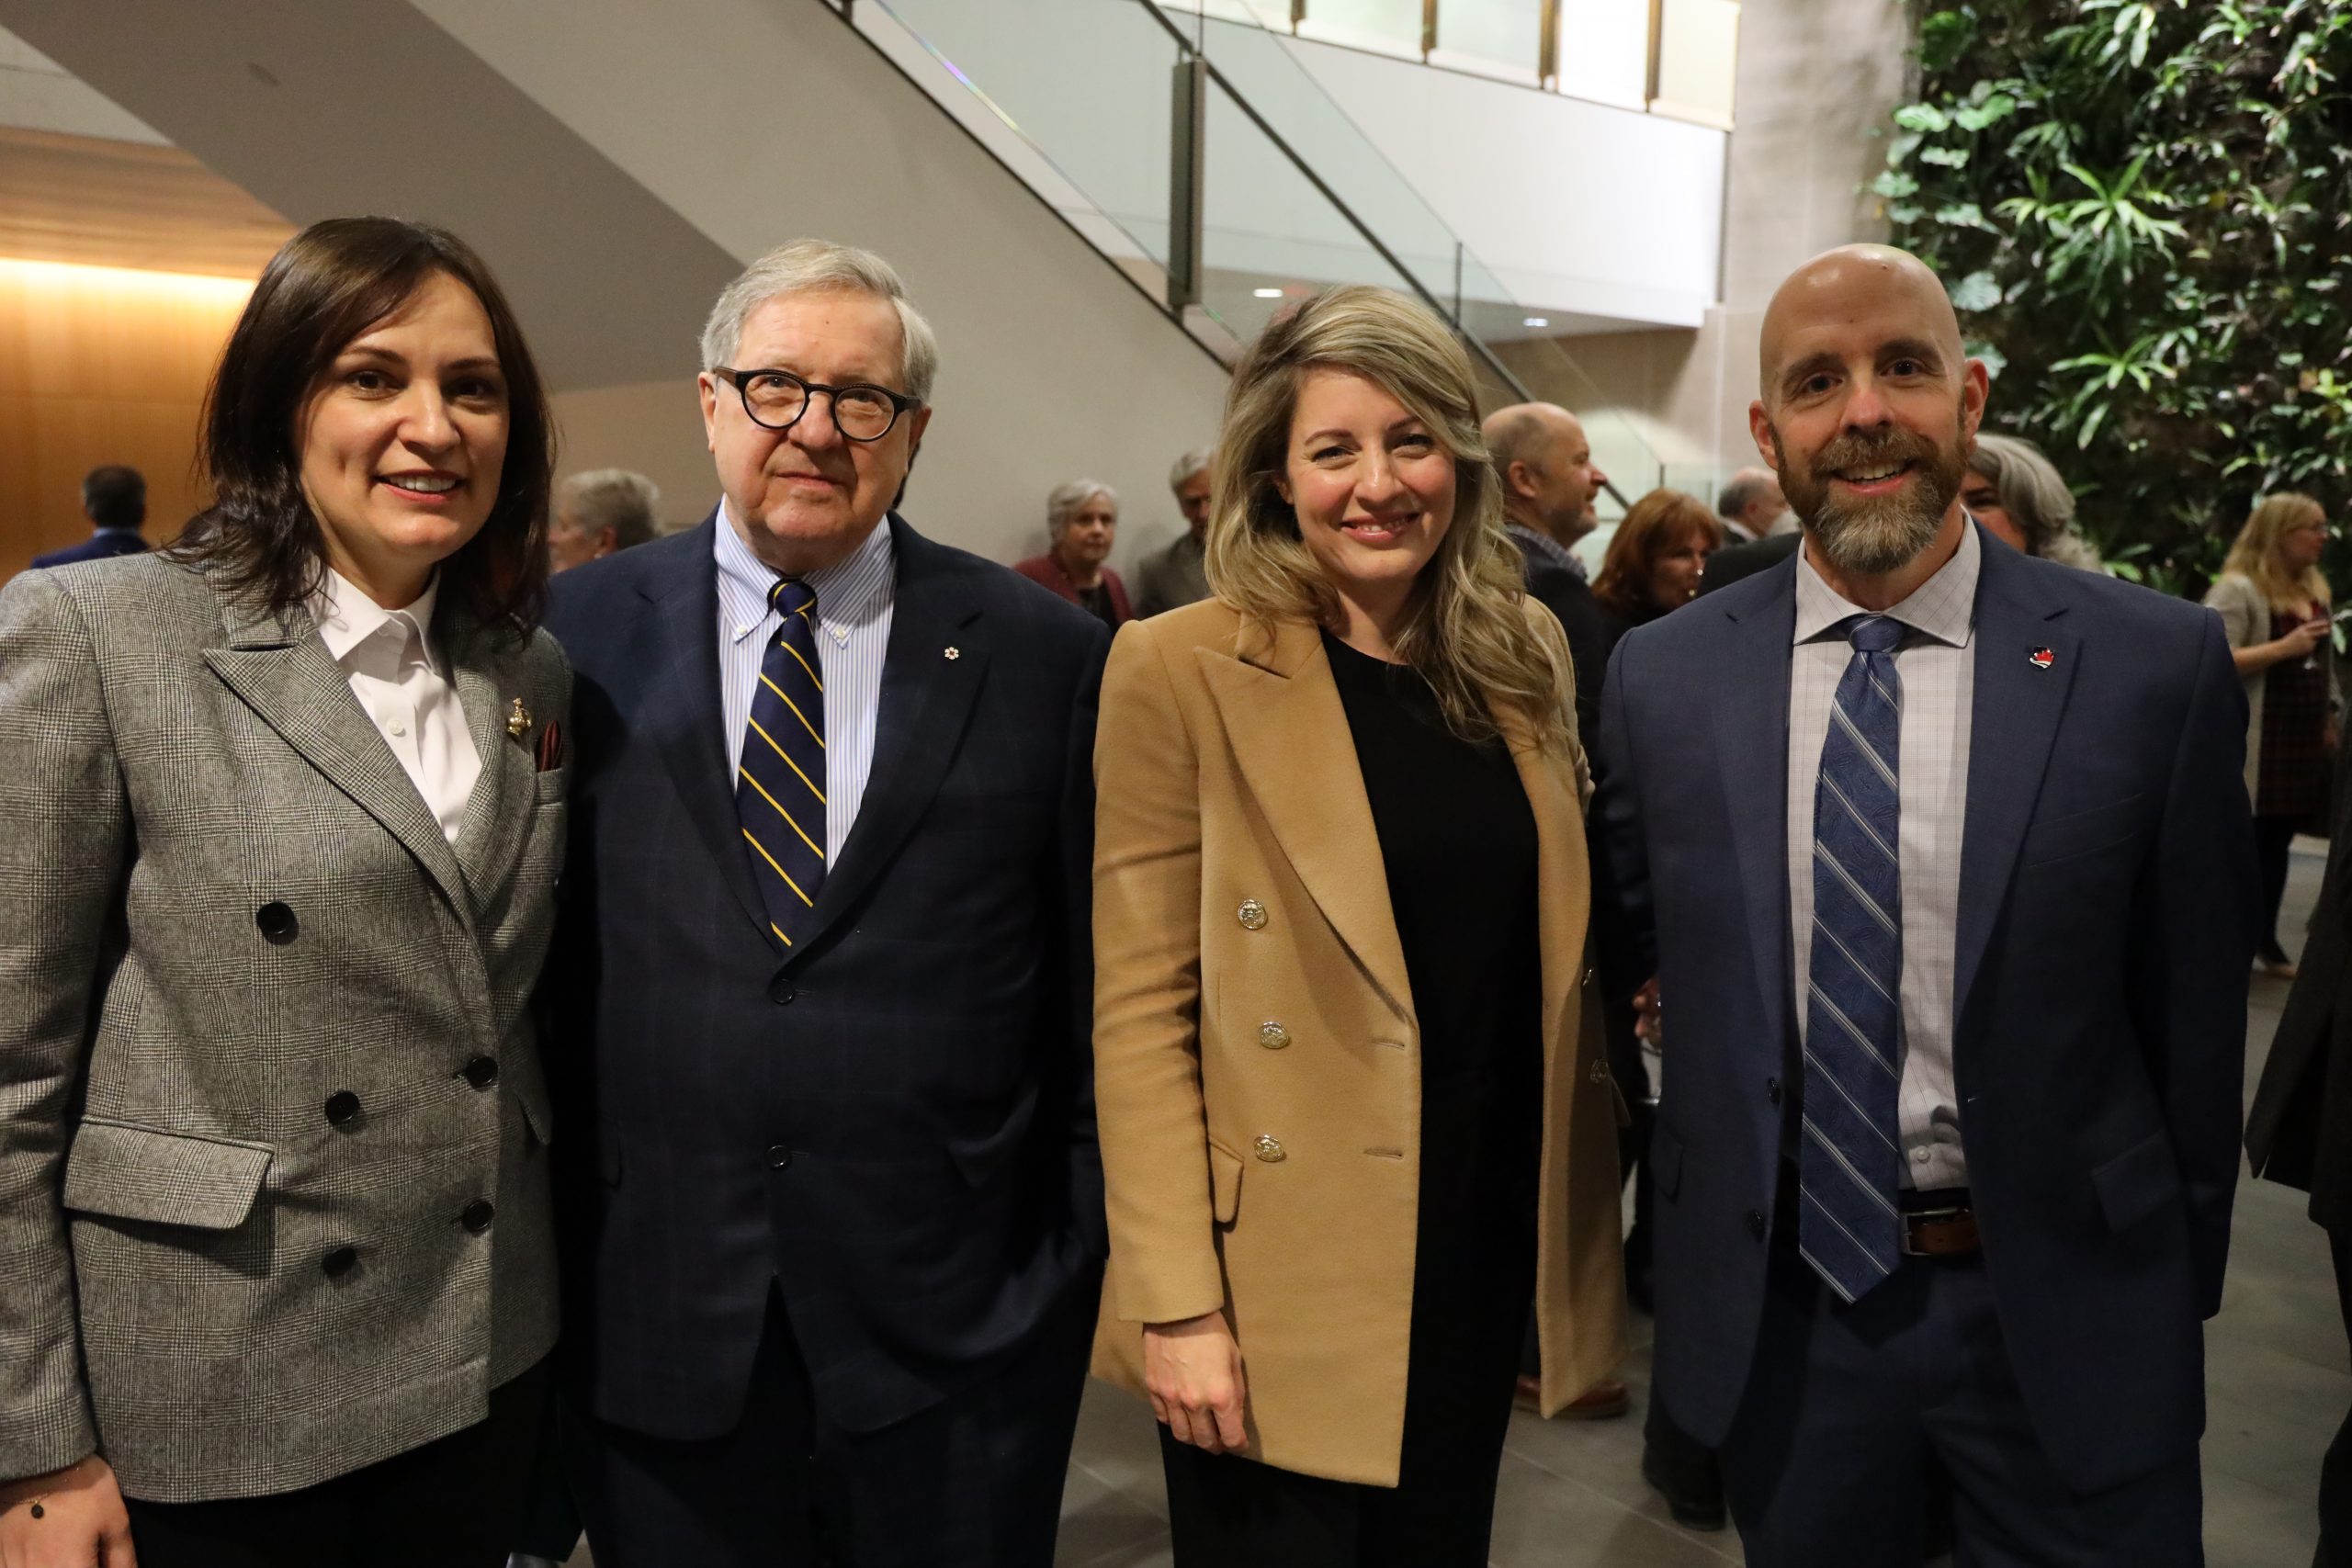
(598, 513)
(1549, 483)
(114, 498)
(1752, 507)
(1178, 575)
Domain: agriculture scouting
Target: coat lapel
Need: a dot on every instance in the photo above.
(927, 702)
(682, 707)
(1751, 724)
(491, 835)
(278, 668)
(1289, 734)
(2013, 723)
(1564, 879)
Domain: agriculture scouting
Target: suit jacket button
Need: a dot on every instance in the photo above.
(1273, 1036)
(1600, 1072)
(278, 922)
(342, 1108)
(340, 1261)
(780, 991)
(1252, 915)
(1755, 1223)
(1773, 1090)
(478, 1215)
(779, 1157)
(1270, 1148)
(482, 1071)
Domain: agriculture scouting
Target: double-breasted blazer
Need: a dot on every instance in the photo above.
(1239, 885)
(272, 1203)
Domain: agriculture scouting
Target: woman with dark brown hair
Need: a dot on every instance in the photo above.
(286, 811)
(1655, 559)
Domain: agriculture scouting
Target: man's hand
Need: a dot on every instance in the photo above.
(83, 1523)
(1649, 1015)
(1192, 1370)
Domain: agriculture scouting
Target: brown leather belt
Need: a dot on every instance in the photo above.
(1941, 1232)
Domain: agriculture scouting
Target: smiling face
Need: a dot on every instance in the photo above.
(402, 440)
(1084, 542)
(1869, 407)
(806, 497)
(1371, 488)
(1674, 576)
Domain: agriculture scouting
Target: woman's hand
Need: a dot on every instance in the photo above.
(1192, 1370)
(82, 1520)
(2303, 641)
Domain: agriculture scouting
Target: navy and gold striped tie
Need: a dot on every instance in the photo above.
(780, 782)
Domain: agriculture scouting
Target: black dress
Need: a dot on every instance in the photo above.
(1457, 839)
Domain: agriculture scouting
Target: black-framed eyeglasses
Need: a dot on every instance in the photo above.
(777, 399)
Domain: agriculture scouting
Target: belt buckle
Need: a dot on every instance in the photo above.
(1912, 1216)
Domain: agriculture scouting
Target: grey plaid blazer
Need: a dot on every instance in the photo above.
(273, 1199)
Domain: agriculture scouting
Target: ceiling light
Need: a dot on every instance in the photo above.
(1267, 293)
(1537, 321)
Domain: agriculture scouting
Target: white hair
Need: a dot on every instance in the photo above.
(1196, 461)
(815, 266)
(1063, 502)
(611, 498)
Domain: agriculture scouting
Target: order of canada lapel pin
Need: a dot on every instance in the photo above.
(518, 720)
(2042, 658)
(955, 653)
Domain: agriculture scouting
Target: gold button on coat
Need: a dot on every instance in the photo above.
(1252, 915)
(1273, 1036)
(1270, 1148)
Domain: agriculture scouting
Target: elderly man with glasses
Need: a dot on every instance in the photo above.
(824, 965)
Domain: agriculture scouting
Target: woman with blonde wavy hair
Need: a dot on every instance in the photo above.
(2274, 602)
(1339, 918)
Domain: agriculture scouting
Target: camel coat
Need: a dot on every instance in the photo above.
(1254, 1029)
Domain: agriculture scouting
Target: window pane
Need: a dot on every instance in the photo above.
(1509, 32)
(1698, 58)
(1604, 50)
(1392, 26)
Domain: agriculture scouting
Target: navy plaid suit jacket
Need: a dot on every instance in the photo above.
(921, 1060)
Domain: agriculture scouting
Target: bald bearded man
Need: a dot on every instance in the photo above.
(1949, 1139)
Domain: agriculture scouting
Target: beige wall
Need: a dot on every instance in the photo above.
(1817, 79)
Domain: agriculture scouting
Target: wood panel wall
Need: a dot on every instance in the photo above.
(100, 364)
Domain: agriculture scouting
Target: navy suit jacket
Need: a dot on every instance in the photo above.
(894, 1118)
(2106, 902)
(97, 547)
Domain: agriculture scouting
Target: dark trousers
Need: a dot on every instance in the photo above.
(2273, 838)
(1853, 1413)
(2336, 1470)
(972, 1482)
(455, 1503)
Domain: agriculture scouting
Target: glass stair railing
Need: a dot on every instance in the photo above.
(1200, 156)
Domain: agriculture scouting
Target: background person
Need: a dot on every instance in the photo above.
(114, 498)
(823, 972)
(1750, 507)
(276, 1263)
(1298, 1040)
(2274, 605)
(598, 512)
(2017, 494)
(1654, 560)
(1082, 524)
(1176, 575)
(1549, 480)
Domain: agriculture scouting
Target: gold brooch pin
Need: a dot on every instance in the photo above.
(519, 720)
(955, 653)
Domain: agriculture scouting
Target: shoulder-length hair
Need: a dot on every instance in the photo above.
(2253, 555)
(1654, 525)
(328, 285)
(1466, 629)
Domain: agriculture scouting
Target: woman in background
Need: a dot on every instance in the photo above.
(1342, 1060)
(1655, 559)
(2274, 605)
(2015, 491)
(1081, 523)
(276, 1265)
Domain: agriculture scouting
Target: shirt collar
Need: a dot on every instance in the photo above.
(346, 617)
(849, 592)
(1943, 608)
(1546, 546)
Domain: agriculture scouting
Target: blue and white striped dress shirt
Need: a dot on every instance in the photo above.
(855, 596)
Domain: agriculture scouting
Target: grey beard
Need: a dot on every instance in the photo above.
(1878, 536)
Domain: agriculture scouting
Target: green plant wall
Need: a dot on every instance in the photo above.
(2144, 213)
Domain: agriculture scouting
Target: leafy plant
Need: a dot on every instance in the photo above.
(2144, 211)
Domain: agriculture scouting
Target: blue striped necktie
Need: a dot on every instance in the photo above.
(780, 782)
(1849, 1166)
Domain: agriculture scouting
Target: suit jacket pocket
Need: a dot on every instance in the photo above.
(1224, 1184)
(139, 1173)
(2081, 832)
(2138, 1182)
